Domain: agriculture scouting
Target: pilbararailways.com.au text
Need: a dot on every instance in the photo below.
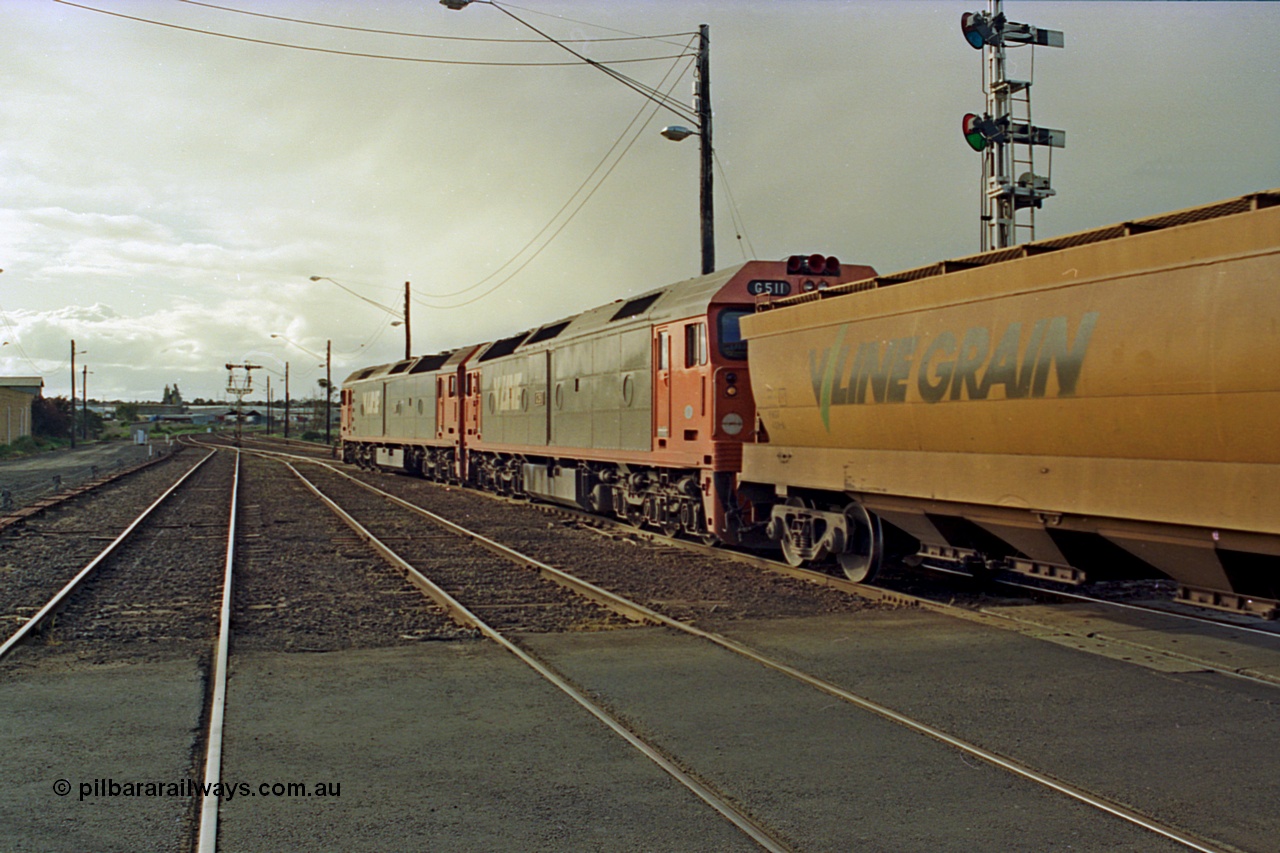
(99, 788)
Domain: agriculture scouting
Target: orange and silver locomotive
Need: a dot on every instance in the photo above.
(638, 408)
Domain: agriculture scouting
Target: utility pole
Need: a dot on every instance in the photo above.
(286, 399)
(328, 361)
(73, 394)
(84, 393)
(706, 205)
(268, 405)
(408, 350)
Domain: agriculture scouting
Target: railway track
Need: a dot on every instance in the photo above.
(305, 584)
(1153, 635)
(338, 487)
(160, 589)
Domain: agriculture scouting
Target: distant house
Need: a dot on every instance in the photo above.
(16, 396)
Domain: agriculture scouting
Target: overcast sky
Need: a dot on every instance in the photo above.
(165, 194)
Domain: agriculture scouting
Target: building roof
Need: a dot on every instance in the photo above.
(30, 384)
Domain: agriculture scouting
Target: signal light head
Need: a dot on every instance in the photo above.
(972, 135)
(978, 29)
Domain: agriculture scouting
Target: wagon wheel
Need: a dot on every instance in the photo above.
(789, 550)
(865, 548)
(634, 514)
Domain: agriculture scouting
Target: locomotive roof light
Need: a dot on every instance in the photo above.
(814, 264)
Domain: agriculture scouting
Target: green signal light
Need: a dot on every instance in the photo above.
(972, 135)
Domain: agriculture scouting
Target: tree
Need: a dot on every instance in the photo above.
(51, 417)
(126, 413)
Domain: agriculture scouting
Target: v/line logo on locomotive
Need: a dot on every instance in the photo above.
(950, 366)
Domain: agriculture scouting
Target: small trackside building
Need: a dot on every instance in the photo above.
(17, 394)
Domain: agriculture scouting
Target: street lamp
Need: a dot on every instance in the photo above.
(702, 111)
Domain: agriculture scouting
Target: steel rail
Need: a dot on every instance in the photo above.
(208, 835)
(459, 611)
(882, 594)
(62, 594)
(1008, 764)
(1124, 605)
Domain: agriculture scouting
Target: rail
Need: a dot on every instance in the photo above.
(54, 603)
(1005, 763)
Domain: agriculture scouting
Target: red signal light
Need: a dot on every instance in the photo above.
(814, 264)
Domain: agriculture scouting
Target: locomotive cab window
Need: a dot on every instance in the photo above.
(453, 386)
(695, 344)
(664, 351)
(729, 333)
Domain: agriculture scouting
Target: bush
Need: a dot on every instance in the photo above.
(28, 444)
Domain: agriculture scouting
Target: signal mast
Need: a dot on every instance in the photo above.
(238, 387)
(1004, 133)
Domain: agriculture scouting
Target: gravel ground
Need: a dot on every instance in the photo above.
(304, 582)
(40, 554)
(29, 478)
(157, 595)
(506, 596)
(704, 590)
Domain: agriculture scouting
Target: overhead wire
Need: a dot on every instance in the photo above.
(661, 38)
(581, 204)
(17, 344)
(333, 51)
(652, 94)
(735, 215)
(662, 100)
(402, 33)
(586, 181)
(563, 225)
